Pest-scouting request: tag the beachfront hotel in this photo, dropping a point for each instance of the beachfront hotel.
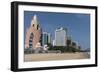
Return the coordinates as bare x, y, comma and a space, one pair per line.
60, 37
33, 34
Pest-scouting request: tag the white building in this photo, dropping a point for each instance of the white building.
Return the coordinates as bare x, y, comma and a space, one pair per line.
61, 37
53, 42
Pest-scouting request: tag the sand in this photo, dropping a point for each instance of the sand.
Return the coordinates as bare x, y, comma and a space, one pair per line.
55, 56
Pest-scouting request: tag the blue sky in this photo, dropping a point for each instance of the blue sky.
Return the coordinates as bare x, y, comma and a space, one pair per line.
77, 24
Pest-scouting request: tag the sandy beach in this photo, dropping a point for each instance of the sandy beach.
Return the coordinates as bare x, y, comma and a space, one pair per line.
55, 56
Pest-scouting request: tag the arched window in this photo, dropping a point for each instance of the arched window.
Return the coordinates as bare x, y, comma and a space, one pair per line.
37, 27
33, 25
31, 40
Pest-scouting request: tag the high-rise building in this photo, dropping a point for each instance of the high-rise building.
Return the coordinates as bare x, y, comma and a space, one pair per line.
49, 38
69, 41
60, 37
44, 38
33, 34
53, 42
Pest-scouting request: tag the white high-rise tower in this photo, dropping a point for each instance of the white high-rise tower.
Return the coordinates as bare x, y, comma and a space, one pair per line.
61, 37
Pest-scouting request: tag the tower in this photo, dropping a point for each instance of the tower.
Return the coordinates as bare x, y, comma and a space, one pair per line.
33, 34
60, 37
44, 38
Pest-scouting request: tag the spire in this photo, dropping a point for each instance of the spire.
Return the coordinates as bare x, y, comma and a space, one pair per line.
34, 21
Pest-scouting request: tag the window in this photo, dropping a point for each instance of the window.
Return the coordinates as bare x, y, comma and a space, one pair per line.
33, 25
31, 40
37, 27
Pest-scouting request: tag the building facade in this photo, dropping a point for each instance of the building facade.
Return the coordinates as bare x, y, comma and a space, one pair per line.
49, 38
60, 37
46, 38
33, 34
